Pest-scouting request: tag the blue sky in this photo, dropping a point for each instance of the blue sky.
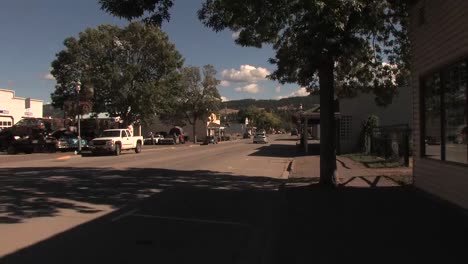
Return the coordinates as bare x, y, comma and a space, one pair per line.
32, 32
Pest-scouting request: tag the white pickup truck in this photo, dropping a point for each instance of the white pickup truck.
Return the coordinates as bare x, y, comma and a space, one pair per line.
114, 141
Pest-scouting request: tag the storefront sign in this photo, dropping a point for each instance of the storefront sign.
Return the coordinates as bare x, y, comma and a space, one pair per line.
28, 114
5, 112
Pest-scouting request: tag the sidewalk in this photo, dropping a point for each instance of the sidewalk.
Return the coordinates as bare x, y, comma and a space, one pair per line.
350, 173
368, 219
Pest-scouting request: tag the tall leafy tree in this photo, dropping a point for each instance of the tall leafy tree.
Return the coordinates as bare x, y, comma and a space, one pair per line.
133, 70
348, 45
198, 97
336, 47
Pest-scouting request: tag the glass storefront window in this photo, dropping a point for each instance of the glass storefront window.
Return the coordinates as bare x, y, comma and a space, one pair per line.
445, 114
455, 114
432, 117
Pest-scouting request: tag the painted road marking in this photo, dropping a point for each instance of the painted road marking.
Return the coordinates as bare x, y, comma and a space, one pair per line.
124, 215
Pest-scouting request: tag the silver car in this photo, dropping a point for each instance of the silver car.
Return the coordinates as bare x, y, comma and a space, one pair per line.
260, 138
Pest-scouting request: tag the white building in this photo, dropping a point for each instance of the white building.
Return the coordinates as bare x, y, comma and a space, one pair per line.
13, 109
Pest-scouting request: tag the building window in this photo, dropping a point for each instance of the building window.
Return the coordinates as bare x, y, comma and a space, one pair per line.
345, 127
432, 117
455, 114
445, 114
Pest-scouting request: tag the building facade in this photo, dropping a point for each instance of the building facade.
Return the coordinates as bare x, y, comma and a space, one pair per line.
13, 109
439, 39
354, 111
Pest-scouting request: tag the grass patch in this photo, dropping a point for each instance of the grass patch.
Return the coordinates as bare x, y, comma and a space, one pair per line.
373, 161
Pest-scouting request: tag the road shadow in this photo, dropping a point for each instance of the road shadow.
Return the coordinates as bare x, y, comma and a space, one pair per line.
176, 216
26, 192
288, 139
276, 151
199, 216
370, 225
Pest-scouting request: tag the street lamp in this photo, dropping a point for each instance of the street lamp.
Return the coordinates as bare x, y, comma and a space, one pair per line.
77, 89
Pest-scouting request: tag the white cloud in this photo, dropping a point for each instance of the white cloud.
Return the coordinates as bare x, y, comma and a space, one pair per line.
224, 99
249, 88
246, 73
48, 77
300, 92
278, 89
225, 83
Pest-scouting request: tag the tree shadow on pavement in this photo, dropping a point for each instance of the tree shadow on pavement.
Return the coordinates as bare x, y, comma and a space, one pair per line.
370, 225
276, 151
172, 216
38, 192
162, 216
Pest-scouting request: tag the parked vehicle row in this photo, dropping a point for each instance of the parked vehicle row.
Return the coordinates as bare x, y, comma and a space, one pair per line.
37, 135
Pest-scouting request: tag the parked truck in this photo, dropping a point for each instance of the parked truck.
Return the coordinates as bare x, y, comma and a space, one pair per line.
114, 141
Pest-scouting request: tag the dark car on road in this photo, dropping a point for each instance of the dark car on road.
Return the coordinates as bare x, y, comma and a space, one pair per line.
27, 135
294, 132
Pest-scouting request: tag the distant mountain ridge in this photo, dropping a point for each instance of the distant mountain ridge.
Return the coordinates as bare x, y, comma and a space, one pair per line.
307, 102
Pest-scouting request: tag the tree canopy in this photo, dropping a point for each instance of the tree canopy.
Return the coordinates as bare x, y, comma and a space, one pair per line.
347, 45
152, 11
198, 96
334, 46
133, 70
261, 118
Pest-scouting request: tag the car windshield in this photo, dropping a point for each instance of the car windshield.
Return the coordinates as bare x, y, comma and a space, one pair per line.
111, 133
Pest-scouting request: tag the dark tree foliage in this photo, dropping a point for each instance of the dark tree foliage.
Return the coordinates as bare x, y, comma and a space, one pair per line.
133, 71
151, 11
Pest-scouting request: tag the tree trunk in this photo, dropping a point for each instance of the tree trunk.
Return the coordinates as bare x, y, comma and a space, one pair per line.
327, 124
194, 130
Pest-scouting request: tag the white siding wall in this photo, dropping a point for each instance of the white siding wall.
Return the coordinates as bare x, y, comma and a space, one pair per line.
15, 105
442, 40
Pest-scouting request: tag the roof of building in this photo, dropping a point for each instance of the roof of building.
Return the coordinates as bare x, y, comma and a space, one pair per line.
19, 98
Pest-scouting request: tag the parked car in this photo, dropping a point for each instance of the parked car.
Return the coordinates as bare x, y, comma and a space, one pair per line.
27, 135
63, 140
211, 140
114, 141
260, 138
153, 141
246, 135
294, 132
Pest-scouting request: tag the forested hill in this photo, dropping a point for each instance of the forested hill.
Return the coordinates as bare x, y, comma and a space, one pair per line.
306, 101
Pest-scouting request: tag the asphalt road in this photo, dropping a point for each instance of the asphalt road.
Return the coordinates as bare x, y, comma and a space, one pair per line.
168, 204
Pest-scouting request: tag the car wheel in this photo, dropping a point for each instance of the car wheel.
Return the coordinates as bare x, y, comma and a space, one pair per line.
117, 150
28, 151
138, 147
11, 150
51, 149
